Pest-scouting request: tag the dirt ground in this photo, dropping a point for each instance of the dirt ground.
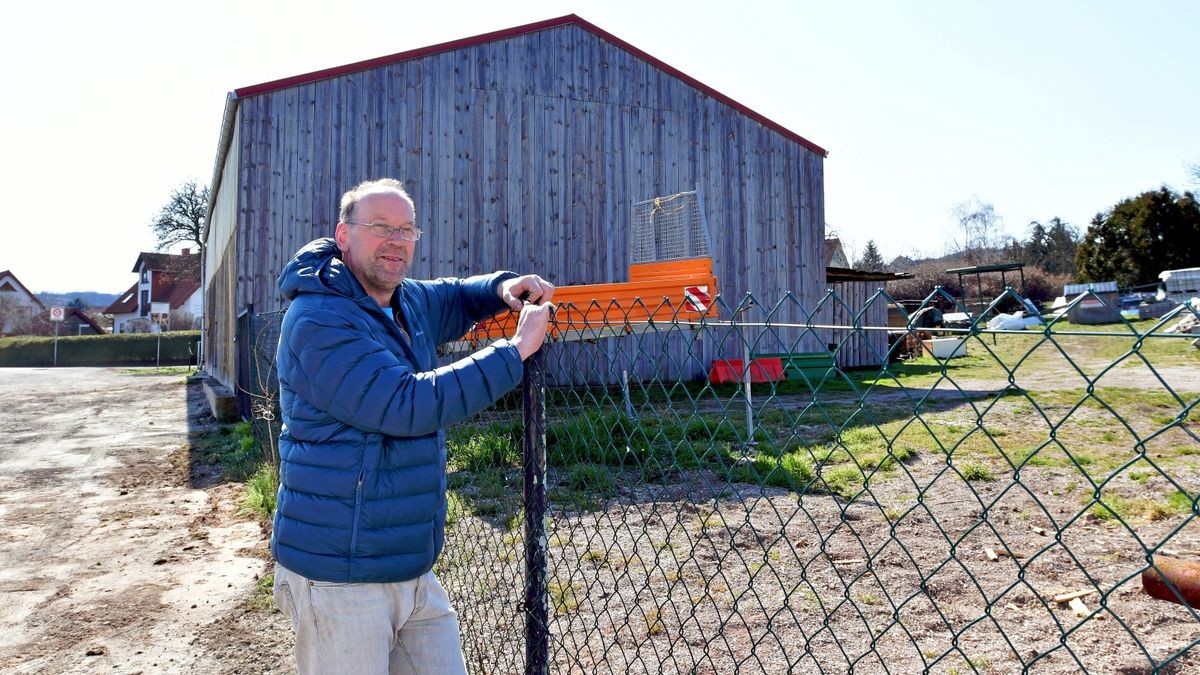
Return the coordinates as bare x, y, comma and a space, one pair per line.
119, 554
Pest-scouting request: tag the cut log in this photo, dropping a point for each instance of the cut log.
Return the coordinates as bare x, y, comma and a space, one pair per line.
1080, 609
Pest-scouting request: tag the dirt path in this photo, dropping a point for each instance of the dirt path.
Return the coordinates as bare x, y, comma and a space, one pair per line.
115, 556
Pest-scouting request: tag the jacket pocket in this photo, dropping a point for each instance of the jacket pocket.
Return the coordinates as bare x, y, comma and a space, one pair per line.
358, 499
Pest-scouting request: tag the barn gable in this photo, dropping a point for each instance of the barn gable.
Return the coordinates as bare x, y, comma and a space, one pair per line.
524, 149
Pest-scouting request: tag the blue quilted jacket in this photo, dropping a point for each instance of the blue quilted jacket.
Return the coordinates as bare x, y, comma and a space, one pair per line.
362, 476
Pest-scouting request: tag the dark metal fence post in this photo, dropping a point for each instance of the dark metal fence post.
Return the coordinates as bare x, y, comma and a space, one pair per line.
537, 653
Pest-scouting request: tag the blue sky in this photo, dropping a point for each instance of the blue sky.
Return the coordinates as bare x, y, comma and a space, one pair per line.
1042, 108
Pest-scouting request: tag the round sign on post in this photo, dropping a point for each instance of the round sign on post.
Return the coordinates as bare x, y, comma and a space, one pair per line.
56, 313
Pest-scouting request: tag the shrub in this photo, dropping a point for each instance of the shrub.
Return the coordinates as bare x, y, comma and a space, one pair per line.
139, 349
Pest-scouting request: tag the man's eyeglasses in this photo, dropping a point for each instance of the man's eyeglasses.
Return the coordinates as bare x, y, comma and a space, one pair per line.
384, 231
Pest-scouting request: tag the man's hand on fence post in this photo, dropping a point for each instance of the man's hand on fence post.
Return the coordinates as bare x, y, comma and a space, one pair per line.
532, 327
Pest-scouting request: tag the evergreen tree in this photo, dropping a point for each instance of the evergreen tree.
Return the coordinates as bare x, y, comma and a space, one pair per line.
871, 260
1050, 248
1140, 237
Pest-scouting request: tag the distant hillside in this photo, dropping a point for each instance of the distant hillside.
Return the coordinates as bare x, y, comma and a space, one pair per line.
92, 298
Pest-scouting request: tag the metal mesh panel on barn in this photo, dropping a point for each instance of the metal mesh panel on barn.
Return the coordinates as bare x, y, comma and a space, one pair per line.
668, 228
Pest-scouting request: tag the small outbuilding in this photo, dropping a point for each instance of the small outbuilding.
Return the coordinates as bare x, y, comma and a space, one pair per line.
1102, 304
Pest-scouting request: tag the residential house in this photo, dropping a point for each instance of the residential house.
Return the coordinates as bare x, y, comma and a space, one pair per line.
77, 322
166, 295
18, 306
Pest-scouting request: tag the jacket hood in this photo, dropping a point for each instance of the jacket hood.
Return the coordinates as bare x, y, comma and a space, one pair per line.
318, 268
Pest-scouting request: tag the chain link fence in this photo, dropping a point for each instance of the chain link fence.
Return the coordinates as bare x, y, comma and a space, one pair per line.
988, 509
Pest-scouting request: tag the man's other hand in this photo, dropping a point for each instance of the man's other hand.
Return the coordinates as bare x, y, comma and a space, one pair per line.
540, 291
532, 327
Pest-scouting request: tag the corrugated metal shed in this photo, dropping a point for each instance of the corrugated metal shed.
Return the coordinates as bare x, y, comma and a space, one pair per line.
1071, 290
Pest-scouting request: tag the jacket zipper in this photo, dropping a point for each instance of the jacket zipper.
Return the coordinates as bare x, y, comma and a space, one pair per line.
357, 512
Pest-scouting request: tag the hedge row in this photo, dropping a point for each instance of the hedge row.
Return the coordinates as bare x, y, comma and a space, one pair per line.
177, 348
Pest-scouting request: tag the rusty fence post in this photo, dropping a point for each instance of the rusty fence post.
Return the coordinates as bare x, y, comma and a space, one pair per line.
537, 636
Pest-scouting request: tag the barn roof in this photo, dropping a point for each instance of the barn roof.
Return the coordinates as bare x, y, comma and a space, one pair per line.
570, 19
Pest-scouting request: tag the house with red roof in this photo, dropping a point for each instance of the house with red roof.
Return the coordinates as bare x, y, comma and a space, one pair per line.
18, 305
166, 295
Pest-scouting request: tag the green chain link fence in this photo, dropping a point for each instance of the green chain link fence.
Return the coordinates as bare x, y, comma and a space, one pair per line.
912, 514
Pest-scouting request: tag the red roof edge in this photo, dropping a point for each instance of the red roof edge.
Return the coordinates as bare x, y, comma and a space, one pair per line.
327, 73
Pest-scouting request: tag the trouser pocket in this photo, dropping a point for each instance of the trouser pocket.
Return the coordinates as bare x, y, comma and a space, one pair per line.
281, 591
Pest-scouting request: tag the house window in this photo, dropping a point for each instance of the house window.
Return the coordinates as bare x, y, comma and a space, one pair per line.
145, 304
145, 276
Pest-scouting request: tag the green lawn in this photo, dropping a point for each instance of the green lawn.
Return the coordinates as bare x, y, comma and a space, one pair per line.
1017, 401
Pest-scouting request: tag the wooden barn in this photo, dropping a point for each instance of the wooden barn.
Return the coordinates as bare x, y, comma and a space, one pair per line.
524, 149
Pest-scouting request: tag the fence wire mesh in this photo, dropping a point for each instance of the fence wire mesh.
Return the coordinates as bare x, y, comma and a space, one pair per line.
922, 514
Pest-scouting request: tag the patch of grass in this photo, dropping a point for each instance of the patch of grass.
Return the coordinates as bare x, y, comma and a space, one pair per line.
977, 472
456, 508
1180, 502
869, 599
843, 481
261, 490
586, 486
654, 624
473, 449
263, 597
904, 453
231, 447
859, 440
564, 598
792, 471
1114, 505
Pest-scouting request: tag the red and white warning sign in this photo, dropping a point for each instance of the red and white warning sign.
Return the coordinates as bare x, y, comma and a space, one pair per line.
697, 298
56, 313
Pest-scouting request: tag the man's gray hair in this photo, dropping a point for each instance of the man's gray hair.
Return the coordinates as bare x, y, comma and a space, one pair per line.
350, 199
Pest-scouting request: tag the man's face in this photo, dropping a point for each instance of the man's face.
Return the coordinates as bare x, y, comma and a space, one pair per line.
379, 264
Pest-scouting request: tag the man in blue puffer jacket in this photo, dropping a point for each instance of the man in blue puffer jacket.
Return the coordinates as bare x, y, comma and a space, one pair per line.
361, 512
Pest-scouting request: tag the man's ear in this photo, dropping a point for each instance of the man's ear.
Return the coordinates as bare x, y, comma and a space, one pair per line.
341, 235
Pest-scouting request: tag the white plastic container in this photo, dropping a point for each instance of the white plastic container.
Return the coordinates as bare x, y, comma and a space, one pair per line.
946, 348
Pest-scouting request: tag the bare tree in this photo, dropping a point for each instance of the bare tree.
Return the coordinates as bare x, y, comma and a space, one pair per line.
182, 217
982, 235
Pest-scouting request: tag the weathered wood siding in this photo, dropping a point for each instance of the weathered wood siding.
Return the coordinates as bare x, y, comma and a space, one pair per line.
855, 303
526, 154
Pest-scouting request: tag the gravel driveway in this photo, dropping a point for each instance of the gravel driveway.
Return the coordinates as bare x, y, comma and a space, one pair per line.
115, 555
